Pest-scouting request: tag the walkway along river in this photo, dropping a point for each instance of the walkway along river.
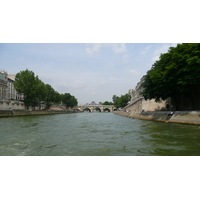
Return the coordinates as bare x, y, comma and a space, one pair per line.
95, 134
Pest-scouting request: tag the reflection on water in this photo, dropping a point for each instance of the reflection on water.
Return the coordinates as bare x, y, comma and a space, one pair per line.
95, 134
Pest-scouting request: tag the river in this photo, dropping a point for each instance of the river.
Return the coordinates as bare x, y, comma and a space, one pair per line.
95, 134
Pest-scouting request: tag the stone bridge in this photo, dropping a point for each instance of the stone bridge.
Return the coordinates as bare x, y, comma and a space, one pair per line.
94, 108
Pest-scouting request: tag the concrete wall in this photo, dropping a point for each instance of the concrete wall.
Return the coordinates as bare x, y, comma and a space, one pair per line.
14, 105
151, 105
142, 104
135, 106
186, 117
9, 104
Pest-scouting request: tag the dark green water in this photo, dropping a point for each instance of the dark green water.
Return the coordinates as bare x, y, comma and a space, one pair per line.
95, 134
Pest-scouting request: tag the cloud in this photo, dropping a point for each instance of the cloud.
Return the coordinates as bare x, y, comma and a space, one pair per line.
126, 57
145, 50
134, 72
155, 58
119, 48
70, 87
94, 48
102, 83
162, 49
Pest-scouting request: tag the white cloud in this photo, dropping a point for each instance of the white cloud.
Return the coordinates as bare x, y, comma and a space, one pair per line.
145, 50
126, 57
162, 49
119, 48
94, 48
155, 58
134, 72
64, 86
102, 83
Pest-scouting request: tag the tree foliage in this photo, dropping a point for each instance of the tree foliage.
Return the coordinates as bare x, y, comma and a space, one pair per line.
107, 103
26, 84
122, 101
69, 100
176, 73
35, 91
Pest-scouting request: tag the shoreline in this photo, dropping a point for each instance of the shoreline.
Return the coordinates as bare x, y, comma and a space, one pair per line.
17, 113
183, 117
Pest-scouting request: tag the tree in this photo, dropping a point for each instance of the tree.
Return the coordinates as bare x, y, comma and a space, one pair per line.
114, 98
35, 91
49, 99
41, 92
26, 84
176, 74
69, 100
107, 103
122, 101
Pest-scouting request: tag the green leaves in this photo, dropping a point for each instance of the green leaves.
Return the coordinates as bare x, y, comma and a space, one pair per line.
69, 100
122, 101
35, 91
175, 73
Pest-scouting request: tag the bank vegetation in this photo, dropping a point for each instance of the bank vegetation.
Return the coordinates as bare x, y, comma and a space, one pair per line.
35, 92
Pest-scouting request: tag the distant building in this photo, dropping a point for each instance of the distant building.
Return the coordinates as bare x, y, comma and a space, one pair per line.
93, 103
3, 84
11, 92
7, 90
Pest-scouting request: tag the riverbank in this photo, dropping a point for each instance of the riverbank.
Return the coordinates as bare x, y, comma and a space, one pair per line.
185, 117
13, 113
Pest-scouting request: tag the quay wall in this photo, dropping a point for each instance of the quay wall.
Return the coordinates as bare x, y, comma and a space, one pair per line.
186, 117
13, 113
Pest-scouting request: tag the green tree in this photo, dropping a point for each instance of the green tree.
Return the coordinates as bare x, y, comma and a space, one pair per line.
122, 101
26, 84
114, 98
69, 100
107, 103
57, 97
41, 92
49, 99
73, 102
176, 74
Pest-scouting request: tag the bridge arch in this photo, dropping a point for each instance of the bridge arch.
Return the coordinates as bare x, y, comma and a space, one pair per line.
106, 110
97, 109
100, 108
87, 109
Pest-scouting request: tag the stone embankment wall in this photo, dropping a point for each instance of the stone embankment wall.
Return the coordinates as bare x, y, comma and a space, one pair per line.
10, 104
147, 105
12, 113
186, 117
15, 105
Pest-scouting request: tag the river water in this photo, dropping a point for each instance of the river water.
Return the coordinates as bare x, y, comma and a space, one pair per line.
95, 134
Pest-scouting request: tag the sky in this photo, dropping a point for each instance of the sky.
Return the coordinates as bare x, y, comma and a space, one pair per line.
88, 71
94, 50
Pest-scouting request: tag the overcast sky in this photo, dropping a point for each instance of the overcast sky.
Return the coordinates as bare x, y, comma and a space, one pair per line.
90, 72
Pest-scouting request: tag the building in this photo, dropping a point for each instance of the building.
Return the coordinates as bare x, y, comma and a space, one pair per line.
3, 84
9, 98
11, 92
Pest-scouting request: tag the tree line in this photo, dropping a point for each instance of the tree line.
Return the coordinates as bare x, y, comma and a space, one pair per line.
119, 102
36, 92
175, 75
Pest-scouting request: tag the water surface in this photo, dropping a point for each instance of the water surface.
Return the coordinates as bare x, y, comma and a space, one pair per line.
95, 134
